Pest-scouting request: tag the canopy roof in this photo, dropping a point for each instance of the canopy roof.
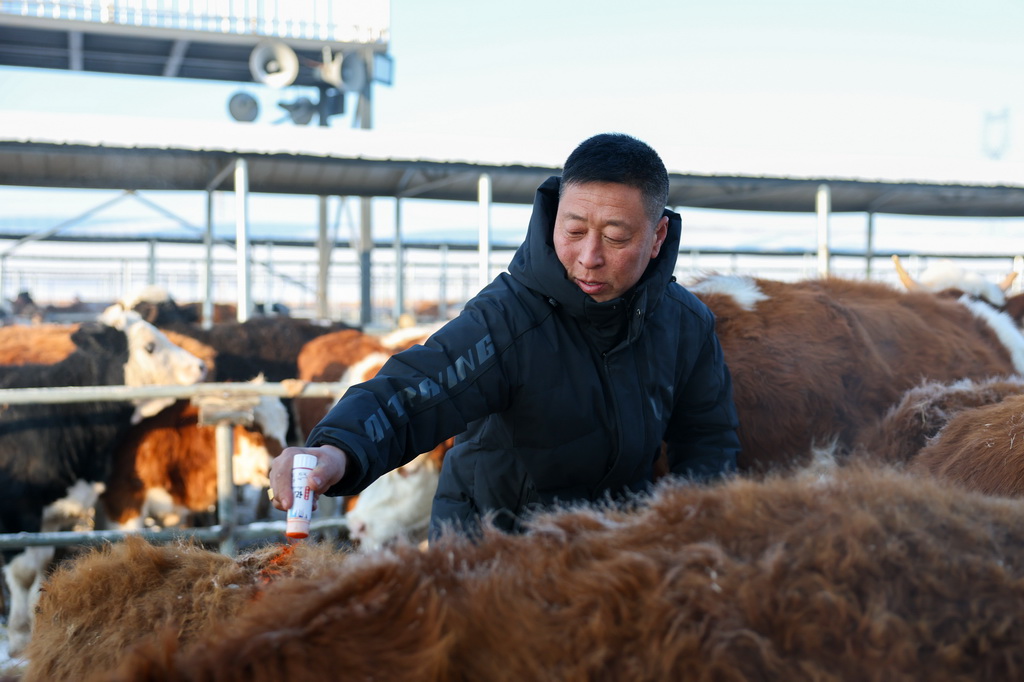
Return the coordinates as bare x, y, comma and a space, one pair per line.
76, 151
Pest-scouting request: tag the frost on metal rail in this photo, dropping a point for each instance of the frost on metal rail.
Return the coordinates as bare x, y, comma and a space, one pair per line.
359, 21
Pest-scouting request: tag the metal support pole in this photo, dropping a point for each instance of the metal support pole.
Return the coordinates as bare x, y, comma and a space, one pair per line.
365, 261
127, 276
242, 238
823, 207
442, 285
484, 199
151, 269
227, 511
399, 263
323, 247
869, 248
208, 269
268, 297
364, 120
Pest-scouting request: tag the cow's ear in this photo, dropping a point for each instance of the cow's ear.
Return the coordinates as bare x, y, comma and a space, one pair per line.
96, 337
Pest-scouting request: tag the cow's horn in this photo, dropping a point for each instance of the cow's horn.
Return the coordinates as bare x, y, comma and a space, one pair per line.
905, 277
1007, 281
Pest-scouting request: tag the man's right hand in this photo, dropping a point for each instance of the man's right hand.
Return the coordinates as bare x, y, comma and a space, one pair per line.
331, 463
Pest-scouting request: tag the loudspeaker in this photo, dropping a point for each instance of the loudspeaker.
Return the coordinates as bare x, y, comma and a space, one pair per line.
343, 71
243, 107
273, 63
300, 111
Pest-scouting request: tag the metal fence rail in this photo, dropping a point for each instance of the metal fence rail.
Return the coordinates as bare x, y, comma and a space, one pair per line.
220, 404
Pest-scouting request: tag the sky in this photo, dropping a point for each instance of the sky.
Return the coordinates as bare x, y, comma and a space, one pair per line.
751, 81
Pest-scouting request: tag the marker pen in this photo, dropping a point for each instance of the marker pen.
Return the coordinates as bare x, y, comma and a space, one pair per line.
301, 510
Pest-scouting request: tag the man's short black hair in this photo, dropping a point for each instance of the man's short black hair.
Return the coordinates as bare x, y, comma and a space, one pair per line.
616, 157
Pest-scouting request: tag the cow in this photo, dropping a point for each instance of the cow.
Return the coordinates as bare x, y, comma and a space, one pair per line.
325, 359
864, 573
165, 469
980, 448
396, 506
47, 344
923, 411
347, 356
178, 584
260, 345
815, 363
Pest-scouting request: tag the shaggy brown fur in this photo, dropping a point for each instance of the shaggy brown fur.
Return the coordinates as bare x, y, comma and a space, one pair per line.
924, 410
864, 574
819, 361
981, 449
105, 601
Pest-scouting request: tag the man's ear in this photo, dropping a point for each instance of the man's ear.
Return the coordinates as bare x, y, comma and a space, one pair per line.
660, 232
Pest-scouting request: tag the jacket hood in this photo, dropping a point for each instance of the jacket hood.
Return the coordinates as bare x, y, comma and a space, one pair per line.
536, 264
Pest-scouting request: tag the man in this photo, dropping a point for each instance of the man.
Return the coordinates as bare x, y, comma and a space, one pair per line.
562, 377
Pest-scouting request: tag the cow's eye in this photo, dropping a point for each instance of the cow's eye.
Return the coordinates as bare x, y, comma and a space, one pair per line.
150, 347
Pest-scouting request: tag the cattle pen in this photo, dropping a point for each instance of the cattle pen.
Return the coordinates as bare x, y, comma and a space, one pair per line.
222, 405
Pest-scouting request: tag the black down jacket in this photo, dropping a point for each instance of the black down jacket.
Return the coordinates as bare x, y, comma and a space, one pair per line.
545, 411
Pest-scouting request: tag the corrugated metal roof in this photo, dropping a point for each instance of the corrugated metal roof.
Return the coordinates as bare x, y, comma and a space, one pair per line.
112, 153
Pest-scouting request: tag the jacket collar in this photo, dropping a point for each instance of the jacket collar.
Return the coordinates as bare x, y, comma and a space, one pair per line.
536, 264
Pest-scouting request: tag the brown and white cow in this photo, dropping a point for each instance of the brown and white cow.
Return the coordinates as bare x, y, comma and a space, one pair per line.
47, 344
396, 507
166, 468
325, 359
863, 574
815, 363
347, 356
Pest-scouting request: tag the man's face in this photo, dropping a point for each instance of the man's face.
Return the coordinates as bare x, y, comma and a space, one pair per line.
604, 238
